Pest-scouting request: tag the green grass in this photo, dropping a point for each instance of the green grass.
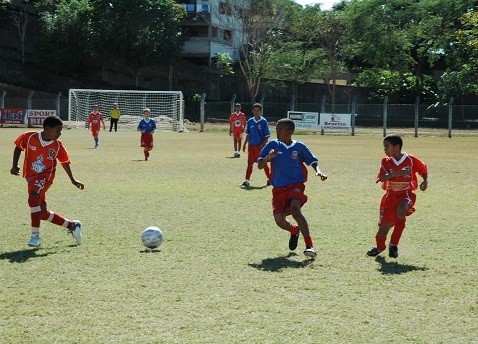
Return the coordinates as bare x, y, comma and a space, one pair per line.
224, 273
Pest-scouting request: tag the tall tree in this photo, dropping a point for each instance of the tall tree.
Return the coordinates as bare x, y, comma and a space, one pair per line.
141, 32
66, 35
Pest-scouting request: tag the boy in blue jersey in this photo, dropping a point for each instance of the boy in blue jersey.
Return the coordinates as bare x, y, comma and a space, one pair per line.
147, 126
289, 174
257, 135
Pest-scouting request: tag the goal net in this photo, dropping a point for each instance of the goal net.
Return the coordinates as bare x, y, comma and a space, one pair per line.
167, 107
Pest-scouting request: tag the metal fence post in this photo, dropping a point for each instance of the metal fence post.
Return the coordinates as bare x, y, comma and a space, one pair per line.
385, 115
201, 110
58, 104
450, 115
233, 102
292, 103
322, 110
29, 100
2, 106
354, 102
417, 102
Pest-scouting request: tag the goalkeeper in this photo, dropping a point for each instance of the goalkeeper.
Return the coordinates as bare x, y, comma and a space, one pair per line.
114, 117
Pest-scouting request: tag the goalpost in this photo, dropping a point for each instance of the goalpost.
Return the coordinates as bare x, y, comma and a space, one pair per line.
167, 107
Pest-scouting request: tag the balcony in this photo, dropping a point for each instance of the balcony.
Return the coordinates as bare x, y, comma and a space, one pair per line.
196, 8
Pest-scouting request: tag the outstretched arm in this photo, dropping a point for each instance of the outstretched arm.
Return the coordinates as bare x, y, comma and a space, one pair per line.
15, 170
318, 172
75, 182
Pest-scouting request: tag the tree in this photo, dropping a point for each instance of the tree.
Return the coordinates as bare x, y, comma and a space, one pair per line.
262, 27
141, 32
66, 35
21, 17
323, 32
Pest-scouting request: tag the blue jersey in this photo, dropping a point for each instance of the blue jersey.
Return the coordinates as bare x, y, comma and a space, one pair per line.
148, 126
257, 130
288, 166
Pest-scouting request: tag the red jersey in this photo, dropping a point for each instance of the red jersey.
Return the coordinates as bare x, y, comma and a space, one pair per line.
40, 156
95, 120
406, 182
237, 121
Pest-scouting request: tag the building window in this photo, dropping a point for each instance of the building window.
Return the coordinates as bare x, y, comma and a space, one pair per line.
227, 35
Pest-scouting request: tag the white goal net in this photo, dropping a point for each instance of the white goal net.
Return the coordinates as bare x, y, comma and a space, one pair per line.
167, 107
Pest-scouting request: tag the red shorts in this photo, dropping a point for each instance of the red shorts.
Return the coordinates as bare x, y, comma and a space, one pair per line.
389, 203
237, 135
282, 196
146, 140
95, 131
40, 186
253, 152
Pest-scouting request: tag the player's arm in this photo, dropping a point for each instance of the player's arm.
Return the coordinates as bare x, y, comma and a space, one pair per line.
15, 170
245, 143
318, 172
78, 184
104, 126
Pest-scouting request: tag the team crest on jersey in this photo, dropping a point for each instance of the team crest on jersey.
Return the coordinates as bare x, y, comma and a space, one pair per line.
294, 155
38, 166
33, 148
51, 154
237, 123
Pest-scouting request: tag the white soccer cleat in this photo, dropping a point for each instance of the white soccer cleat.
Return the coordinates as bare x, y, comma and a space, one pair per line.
34, 240
76, 232
310, 252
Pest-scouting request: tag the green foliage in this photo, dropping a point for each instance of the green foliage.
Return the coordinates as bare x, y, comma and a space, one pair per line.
225, 62
66, 39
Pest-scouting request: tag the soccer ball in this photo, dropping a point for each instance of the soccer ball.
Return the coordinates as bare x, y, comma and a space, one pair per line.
152, 237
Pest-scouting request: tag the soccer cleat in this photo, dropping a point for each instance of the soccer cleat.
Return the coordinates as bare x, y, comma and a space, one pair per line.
76, 232
34, 240
393, 251
310, 252
268, 183
374, 251
293, 241
246, 184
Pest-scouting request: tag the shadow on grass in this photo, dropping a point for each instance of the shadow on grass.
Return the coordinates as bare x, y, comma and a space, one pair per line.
147, 250
280, 263
21, 256
248, 188
394, 268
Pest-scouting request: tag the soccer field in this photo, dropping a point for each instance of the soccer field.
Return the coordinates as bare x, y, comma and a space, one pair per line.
224, 273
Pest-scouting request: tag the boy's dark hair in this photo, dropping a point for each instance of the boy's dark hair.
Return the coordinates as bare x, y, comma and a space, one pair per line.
394, 139
259, 105
52, 122
287, 122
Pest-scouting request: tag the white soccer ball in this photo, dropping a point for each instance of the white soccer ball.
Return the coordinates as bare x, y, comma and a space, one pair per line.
152, 237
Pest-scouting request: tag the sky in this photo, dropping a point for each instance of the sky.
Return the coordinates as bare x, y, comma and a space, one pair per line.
324, 4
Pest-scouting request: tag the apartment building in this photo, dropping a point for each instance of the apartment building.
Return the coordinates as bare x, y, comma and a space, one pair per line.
213, 27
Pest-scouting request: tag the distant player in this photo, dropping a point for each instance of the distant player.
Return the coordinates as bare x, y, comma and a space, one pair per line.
237, 123
147, 126
95, 119
398, 175
289, 174
114, 117
42, 151
257, 135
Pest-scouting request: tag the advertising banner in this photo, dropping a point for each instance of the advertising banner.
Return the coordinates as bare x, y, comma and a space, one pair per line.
304, 119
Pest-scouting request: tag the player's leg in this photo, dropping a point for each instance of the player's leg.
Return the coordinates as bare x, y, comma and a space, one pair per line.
296, 212
111, 124
398, 228
251, 154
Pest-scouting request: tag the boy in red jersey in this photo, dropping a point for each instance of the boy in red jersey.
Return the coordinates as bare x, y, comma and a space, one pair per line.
398, 175
42, 150
94, 120
237, 123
